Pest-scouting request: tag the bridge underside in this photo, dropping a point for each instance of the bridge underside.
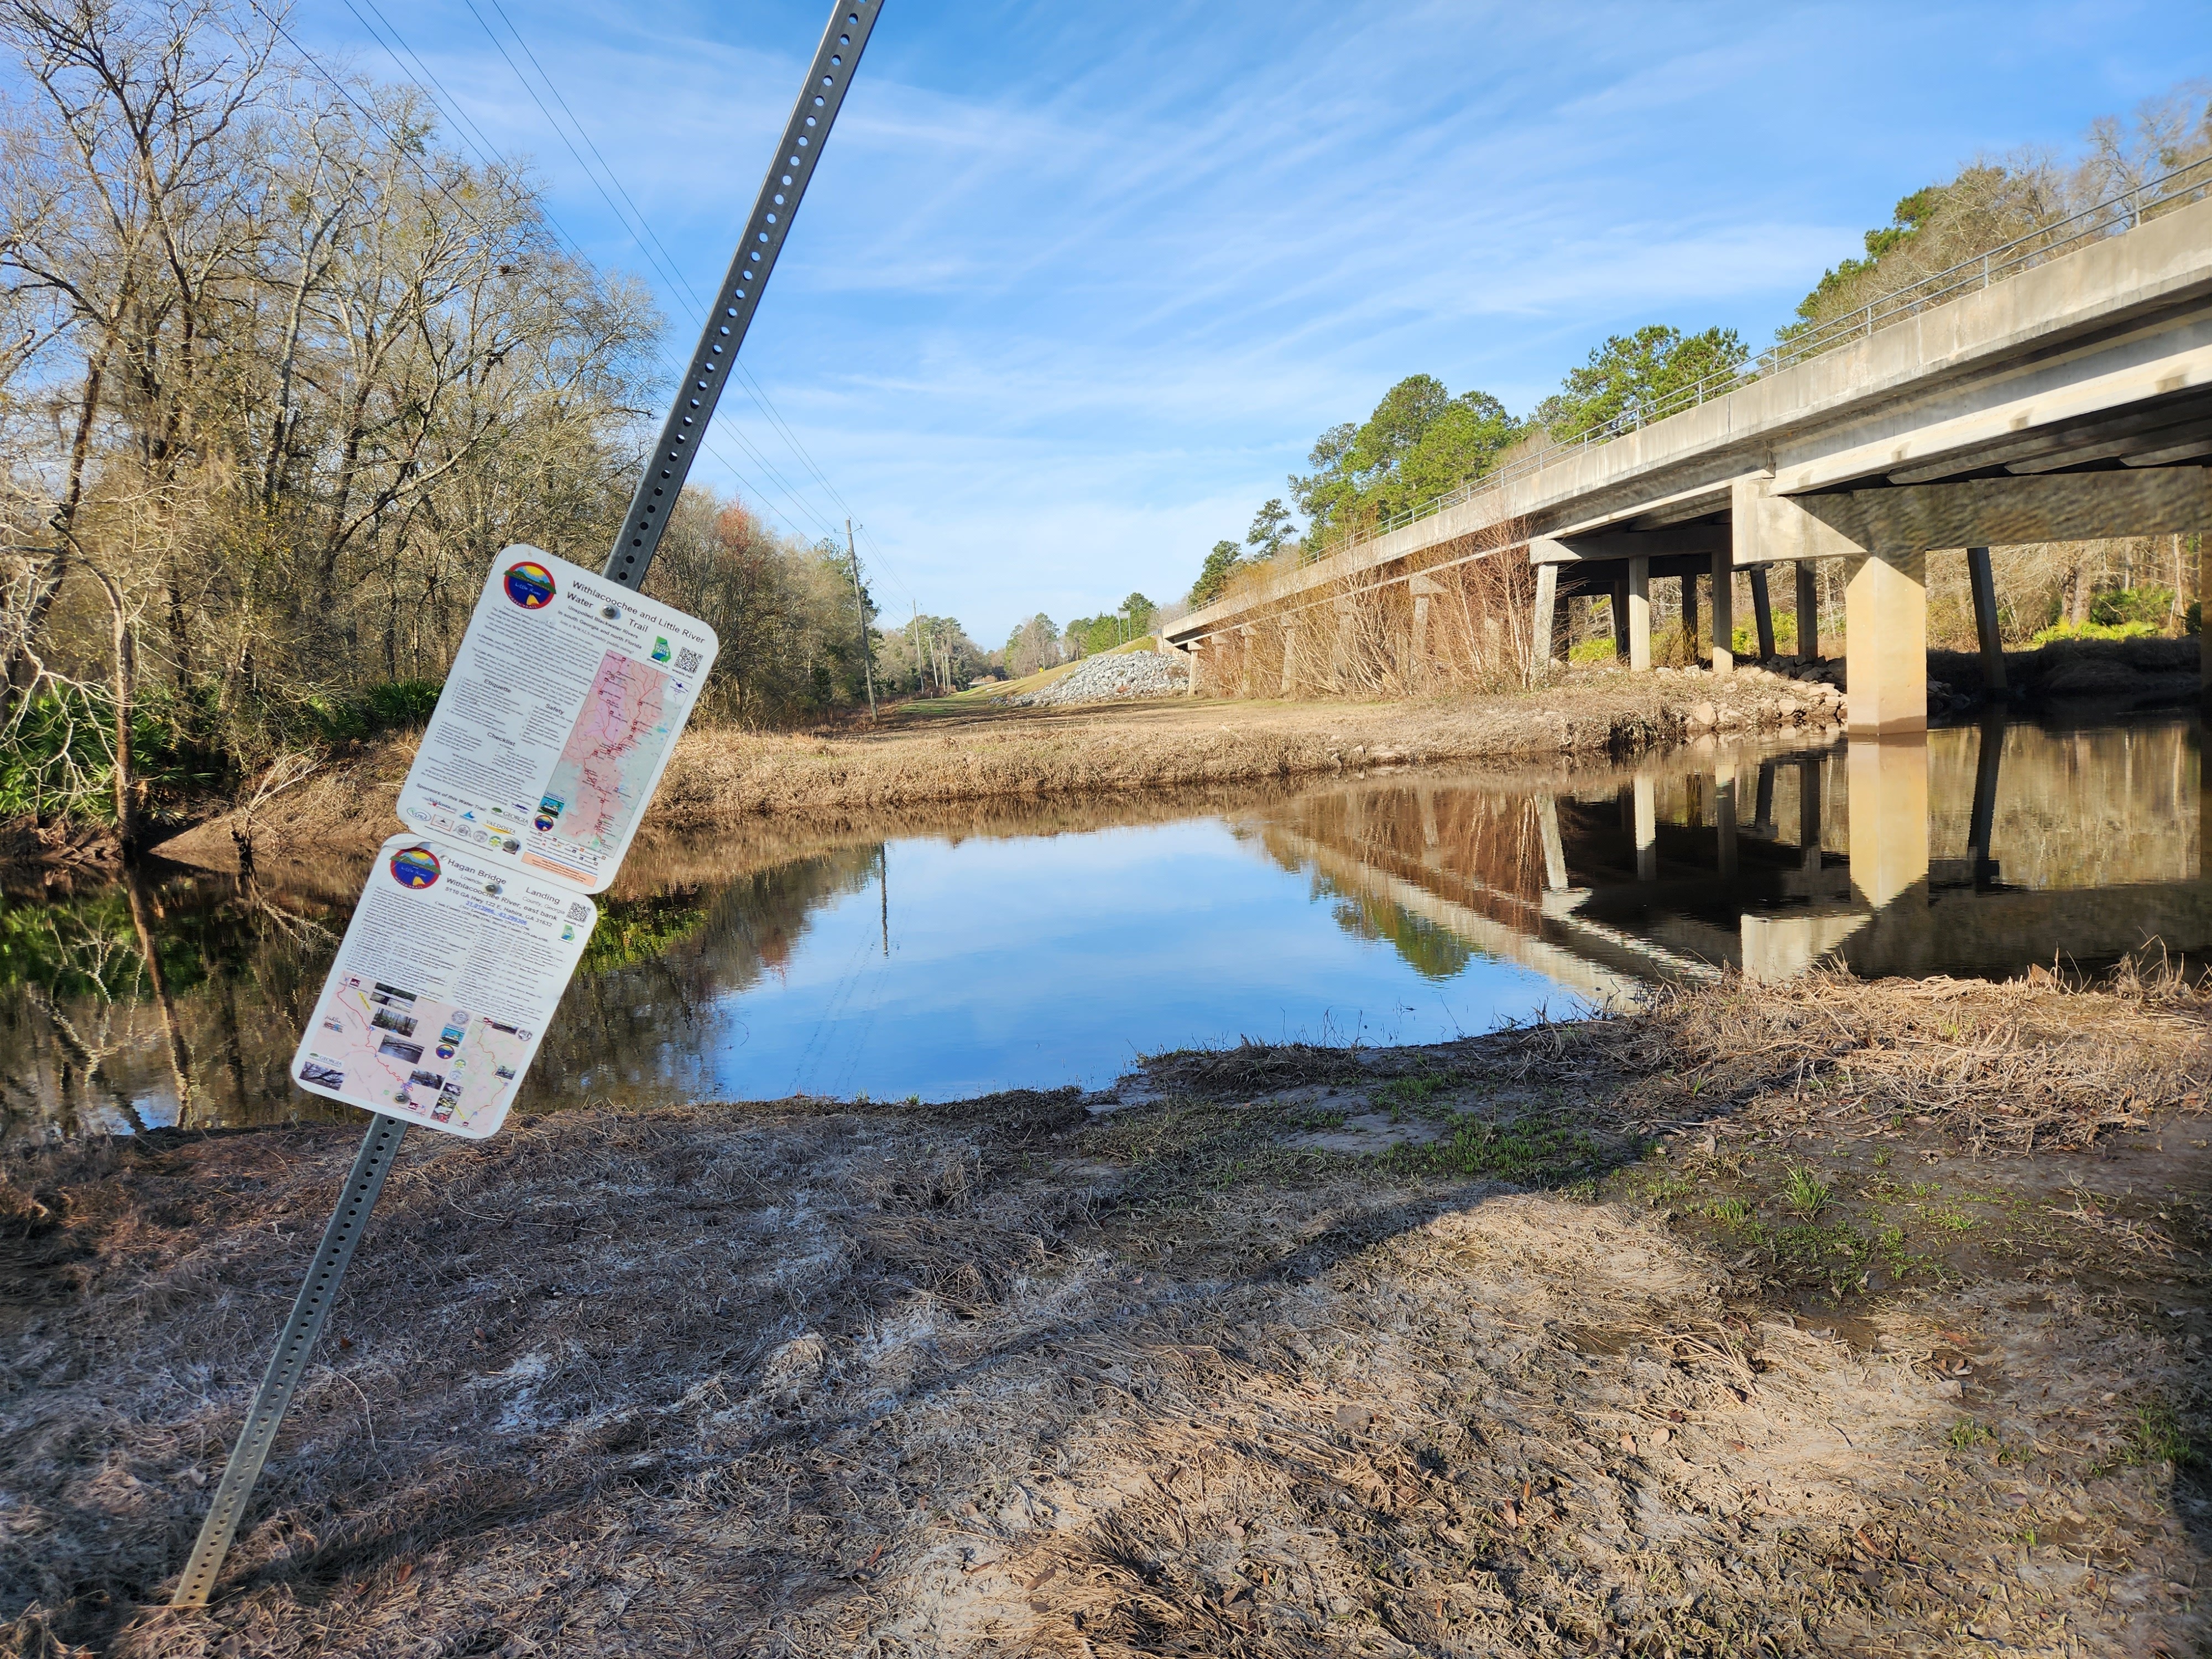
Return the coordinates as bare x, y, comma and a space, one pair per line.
2098, 485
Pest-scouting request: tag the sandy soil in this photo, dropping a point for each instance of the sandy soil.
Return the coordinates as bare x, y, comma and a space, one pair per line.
721, 776
1843, 1318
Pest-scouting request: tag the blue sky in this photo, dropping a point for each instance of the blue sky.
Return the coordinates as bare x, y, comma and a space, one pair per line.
1077, 286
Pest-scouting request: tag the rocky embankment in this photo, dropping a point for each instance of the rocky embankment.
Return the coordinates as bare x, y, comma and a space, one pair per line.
1109, 680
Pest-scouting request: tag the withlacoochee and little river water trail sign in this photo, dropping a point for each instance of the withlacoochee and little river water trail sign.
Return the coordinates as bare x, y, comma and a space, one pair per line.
551, 734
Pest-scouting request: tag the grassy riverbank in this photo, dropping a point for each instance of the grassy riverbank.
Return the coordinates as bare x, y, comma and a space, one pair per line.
1845, 1317
955, 753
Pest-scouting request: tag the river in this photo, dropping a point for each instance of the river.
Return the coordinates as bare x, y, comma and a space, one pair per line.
1039, 946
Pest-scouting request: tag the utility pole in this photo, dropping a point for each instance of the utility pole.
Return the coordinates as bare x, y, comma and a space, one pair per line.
860, 610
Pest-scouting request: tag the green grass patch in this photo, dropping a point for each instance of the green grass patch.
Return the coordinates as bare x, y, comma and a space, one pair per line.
1529, 1152
2160, 1436
1805, 1192
1415, 1090
1966, 1434
1317, 1117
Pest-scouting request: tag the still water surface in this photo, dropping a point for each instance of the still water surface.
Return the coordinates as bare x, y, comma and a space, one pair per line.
1032, 946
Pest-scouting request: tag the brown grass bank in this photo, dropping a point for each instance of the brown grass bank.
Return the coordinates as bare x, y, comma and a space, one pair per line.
1843, 1318
722, 776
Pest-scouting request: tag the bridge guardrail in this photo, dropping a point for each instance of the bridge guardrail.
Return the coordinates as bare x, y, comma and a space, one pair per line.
2121, 212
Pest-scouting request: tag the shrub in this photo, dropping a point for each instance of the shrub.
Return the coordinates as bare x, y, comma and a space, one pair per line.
2092, 631
396, 705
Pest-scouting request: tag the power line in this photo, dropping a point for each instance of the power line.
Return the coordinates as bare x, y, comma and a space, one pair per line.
642, 233
473, 138
451, 107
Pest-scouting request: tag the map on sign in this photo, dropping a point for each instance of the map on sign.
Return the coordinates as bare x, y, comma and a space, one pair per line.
615, 750
565, 702
404, 1050
447, 976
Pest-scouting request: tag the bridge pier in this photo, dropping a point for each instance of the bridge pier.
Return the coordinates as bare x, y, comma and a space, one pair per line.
1724, 608
1762, 612
1885, 643
1983, 579
1809, 611
1690, 627
1545, 622
1639, 616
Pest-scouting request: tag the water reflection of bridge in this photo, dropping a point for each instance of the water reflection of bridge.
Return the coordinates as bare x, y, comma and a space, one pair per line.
1966, 851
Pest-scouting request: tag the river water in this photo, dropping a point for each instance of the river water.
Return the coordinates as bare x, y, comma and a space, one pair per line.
1042, 945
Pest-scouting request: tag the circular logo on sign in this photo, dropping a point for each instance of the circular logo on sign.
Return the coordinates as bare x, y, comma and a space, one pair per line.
529, 585
415, 866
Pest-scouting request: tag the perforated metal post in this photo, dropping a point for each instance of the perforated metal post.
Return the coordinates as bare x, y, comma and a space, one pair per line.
358, 1197
665, 469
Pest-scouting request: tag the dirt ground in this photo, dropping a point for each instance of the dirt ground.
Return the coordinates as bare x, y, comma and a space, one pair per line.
1845, 1317
962, 752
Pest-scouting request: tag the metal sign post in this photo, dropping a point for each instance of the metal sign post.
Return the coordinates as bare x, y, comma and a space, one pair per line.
819, 99
358, 1196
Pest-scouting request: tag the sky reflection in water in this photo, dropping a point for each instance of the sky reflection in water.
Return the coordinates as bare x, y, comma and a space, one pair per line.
1042, 961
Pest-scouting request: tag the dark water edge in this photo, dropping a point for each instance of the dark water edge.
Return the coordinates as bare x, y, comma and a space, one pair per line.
1042, 943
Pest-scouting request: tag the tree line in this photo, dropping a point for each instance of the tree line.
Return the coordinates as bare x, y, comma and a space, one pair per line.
1422, 441
280, 373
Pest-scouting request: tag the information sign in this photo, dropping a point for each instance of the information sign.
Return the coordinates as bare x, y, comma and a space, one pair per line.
564, 703
443, 987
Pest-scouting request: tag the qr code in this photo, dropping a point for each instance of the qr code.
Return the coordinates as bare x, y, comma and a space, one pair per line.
687, 662
579, 913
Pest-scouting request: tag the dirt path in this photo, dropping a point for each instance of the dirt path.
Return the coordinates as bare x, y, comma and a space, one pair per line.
721, 776
1762, 1321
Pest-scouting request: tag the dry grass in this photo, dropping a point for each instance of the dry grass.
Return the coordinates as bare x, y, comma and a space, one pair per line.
1982, 1064
1353, 638
1009, 1377
722, 777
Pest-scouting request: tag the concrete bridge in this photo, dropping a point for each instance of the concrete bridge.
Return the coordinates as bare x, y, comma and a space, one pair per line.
2056, 398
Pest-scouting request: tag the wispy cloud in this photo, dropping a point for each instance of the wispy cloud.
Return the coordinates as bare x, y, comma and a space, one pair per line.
1079, 285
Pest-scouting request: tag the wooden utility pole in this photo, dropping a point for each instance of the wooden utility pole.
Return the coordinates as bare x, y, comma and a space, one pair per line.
860, 610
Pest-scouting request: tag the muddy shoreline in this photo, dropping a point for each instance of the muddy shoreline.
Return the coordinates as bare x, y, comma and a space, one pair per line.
1837, 1317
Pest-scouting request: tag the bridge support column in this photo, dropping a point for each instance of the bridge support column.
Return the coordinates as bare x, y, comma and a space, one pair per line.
1889, 816
1809, 611
1724, 597
1989, 752
1725, 817
1423, 589
1885, 643
1647, 827
1555, 850
1762, 612
1544, 623
1190, 685
1620, 603
1690, 631
1983, 579
1808, 812
1639, 616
